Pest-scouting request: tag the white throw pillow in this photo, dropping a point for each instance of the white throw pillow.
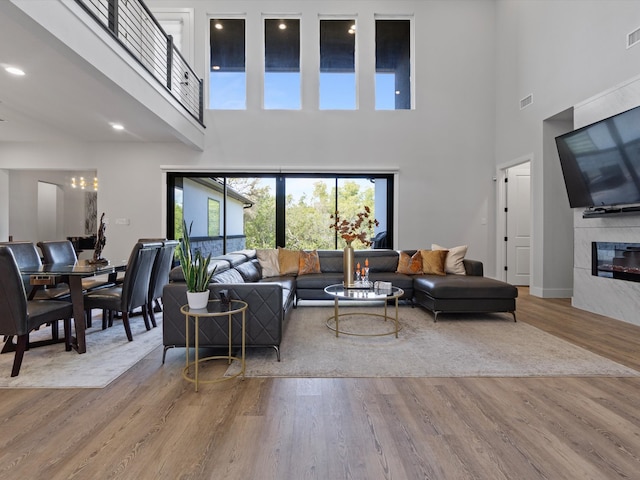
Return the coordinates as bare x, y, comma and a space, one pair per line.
268, 259
453, 263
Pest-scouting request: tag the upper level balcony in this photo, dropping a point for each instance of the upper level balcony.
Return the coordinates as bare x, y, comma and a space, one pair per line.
92, 63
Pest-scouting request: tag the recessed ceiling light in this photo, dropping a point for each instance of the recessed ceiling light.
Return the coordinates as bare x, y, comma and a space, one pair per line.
117, 126
282, 26
218, 26
15, 71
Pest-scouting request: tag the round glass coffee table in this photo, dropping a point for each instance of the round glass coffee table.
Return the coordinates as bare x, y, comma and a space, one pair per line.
340, 292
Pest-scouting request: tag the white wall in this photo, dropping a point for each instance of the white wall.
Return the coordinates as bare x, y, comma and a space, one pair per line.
131, 186
23, 207
447, 140
443, 150
562, 52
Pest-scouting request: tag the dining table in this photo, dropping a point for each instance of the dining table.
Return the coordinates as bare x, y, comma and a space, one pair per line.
52, 273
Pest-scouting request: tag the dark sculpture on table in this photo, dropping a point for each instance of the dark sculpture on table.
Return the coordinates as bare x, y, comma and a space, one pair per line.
101, 240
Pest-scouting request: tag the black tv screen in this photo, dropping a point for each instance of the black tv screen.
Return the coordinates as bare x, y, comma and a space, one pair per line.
601, 162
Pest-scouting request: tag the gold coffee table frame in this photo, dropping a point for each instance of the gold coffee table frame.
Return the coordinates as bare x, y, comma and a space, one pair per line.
212, 311
340, 292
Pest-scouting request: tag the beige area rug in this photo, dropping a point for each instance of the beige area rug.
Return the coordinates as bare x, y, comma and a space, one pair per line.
478, 345
108, 356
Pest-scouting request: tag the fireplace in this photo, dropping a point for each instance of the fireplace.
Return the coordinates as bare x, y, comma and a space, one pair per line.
616, 260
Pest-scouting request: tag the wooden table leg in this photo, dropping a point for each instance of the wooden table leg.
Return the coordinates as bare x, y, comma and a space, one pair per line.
77, 299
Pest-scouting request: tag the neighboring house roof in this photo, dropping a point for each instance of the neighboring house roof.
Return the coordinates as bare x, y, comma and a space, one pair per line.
217, 186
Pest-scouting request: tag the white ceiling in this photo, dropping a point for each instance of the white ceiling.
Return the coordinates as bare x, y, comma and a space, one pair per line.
62, 97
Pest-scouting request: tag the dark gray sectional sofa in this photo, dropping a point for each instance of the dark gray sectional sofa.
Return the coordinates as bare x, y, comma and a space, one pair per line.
238, 274
271, 299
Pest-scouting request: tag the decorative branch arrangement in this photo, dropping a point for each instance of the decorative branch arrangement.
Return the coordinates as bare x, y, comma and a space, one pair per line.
360, 228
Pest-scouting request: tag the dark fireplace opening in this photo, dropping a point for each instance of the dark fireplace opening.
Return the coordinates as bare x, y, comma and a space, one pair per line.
616, 260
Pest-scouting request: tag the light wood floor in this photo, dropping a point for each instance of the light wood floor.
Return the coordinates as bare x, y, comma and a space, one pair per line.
150, 424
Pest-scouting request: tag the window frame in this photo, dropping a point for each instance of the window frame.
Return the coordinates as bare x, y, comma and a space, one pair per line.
263, 67
174, 179
412, 57
356, 60
207, 83
211, 200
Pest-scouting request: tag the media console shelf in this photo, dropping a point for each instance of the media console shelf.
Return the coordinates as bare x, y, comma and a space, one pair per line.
611, 211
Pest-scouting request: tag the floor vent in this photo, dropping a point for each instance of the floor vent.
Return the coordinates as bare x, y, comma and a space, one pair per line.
633, 38
526, 101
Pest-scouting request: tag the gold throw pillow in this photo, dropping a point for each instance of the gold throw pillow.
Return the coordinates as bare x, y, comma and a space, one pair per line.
433, 261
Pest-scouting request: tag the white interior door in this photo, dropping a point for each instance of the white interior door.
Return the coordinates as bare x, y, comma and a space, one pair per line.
518, 224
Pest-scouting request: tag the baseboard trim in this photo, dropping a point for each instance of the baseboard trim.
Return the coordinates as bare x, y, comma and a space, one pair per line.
551, 292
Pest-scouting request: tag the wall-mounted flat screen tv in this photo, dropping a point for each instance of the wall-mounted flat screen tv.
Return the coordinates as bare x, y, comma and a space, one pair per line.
601, 162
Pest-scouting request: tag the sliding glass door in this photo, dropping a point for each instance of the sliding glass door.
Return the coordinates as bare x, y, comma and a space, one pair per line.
234, 212
309, 202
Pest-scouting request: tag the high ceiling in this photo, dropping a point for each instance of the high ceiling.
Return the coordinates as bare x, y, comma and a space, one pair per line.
62, 97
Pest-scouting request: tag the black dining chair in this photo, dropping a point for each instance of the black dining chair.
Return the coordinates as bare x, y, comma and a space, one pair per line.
28, 258
62, 251
132, 294
160, 276
19, 316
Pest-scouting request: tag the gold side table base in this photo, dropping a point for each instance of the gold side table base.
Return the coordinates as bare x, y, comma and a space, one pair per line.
333, 322
331, 325
237, 306
192, 379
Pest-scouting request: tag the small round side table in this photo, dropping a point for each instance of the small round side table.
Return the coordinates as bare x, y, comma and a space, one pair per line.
214, 310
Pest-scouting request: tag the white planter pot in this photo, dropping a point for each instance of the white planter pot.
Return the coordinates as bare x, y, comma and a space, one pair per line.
198, 300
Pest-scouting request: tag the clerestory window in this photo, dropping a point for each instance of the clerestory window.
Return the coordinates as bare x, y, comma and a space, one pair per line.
393, 65
338, 64
227, 74
282, 64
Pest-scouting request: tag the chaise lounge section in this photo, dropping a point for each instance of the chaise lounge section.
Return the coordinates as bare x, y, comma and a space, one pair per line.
472, 292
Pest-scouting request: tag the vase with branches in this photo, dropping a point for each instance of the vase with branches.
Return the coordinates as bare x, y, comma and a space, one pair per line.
360, 228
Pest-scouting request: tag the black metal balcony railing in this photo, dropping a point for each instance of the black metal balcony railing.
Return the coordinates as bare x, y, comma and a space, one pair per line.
133, 25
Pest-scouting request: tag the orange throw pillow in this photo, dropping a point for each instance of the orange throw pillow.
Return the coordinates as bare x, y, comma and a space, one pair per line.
309, 262
410, 265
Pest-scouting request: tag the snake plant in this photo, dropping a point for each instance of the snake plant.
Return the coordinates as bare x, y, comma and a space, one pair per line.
195, 267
